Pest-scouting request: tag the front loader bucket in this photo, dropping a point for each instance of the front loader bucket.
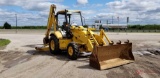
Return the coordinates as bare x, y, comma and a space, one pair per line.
104, 57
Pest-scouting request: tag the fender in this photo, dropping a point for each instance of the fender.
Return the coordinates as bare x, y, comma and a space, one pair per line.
57, 34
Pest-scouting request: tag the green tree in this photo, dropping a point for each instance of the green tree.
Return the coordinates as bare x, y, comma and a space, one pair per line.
100, 27
86, 26
6, 25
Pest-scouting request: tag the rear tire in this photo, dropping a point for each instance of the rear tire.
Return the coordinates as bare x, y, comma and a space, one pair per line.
45, 40
72, 51
54, 45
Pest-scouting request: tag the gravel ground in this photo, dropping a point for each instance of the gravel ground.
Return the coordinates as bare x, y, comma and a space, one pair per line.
20, 60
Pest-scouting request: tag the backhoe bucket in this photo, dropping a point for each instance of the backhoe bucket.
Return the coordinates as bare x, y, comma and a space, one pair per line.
42, 48
104, 57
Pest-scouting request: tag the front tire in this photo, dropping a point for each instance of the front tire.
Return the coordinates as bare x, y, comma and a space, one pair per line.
72, 51
54, 45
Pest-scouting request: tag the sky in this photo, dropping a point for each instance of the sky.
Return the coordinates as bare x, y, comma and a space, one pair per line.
35, 12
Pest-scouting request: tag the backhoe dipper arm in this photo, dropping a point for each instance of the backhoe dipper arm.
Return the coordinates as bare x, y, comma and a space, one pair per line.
51, 20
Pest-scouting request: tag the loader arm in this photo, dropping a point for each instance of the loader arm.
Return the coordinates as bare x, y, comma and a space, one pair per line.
90, 38
98, 39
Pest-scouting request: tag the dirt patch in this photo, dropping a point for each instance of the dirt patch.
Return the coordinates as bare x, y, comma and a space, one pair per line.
141, 68
3, 47
119, 73
11, 59
154, 51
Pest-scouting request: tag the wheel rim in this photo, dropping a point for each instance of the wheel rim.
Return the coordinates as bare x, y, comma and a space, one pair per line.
70, 51
52, 45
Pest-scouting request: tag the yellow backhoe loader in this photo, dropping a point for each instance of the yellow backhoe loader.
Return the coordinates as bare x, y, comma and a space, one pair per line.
76, 39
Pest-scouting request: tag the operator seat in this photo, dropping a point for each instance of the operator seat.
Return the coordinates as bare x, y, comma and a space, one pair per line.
66, 28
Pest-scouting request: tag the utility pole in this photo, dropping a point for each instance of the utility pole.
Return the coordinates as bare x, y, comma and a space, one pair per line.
16, 23
127, 20
84, 20
118, 20
107, 22
112, 19
127, 24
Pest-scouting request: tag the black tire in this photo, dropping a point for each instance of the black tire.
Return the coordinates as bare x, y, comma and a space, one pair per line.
75, 53
45, 40
56, 45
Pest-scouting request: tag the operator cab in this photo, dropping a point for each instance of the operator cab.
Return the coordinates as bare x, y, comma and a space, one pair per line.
67, 18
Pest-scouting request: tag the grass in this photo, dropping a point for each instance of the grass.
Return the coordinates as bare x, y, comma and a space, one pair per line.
4, 42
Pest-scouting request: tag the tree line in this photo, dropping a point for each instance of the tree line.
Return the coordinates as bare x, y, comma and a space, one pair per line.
145, 27
130, 27
8, 26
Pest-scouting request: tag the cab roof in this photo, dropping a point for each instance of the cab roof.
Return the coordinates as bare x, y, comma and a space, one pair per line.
68, 11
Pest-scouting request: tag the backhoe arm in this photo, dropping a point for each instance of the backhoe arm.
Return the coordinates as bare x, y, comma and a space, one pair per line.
51, 22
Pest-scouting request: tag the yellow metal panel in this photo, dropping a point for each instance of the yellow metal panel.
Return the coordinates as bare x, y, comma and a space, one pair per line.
79, 36
63, 43
91, 29
99, 39
58, 34
102, 31
89, 45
